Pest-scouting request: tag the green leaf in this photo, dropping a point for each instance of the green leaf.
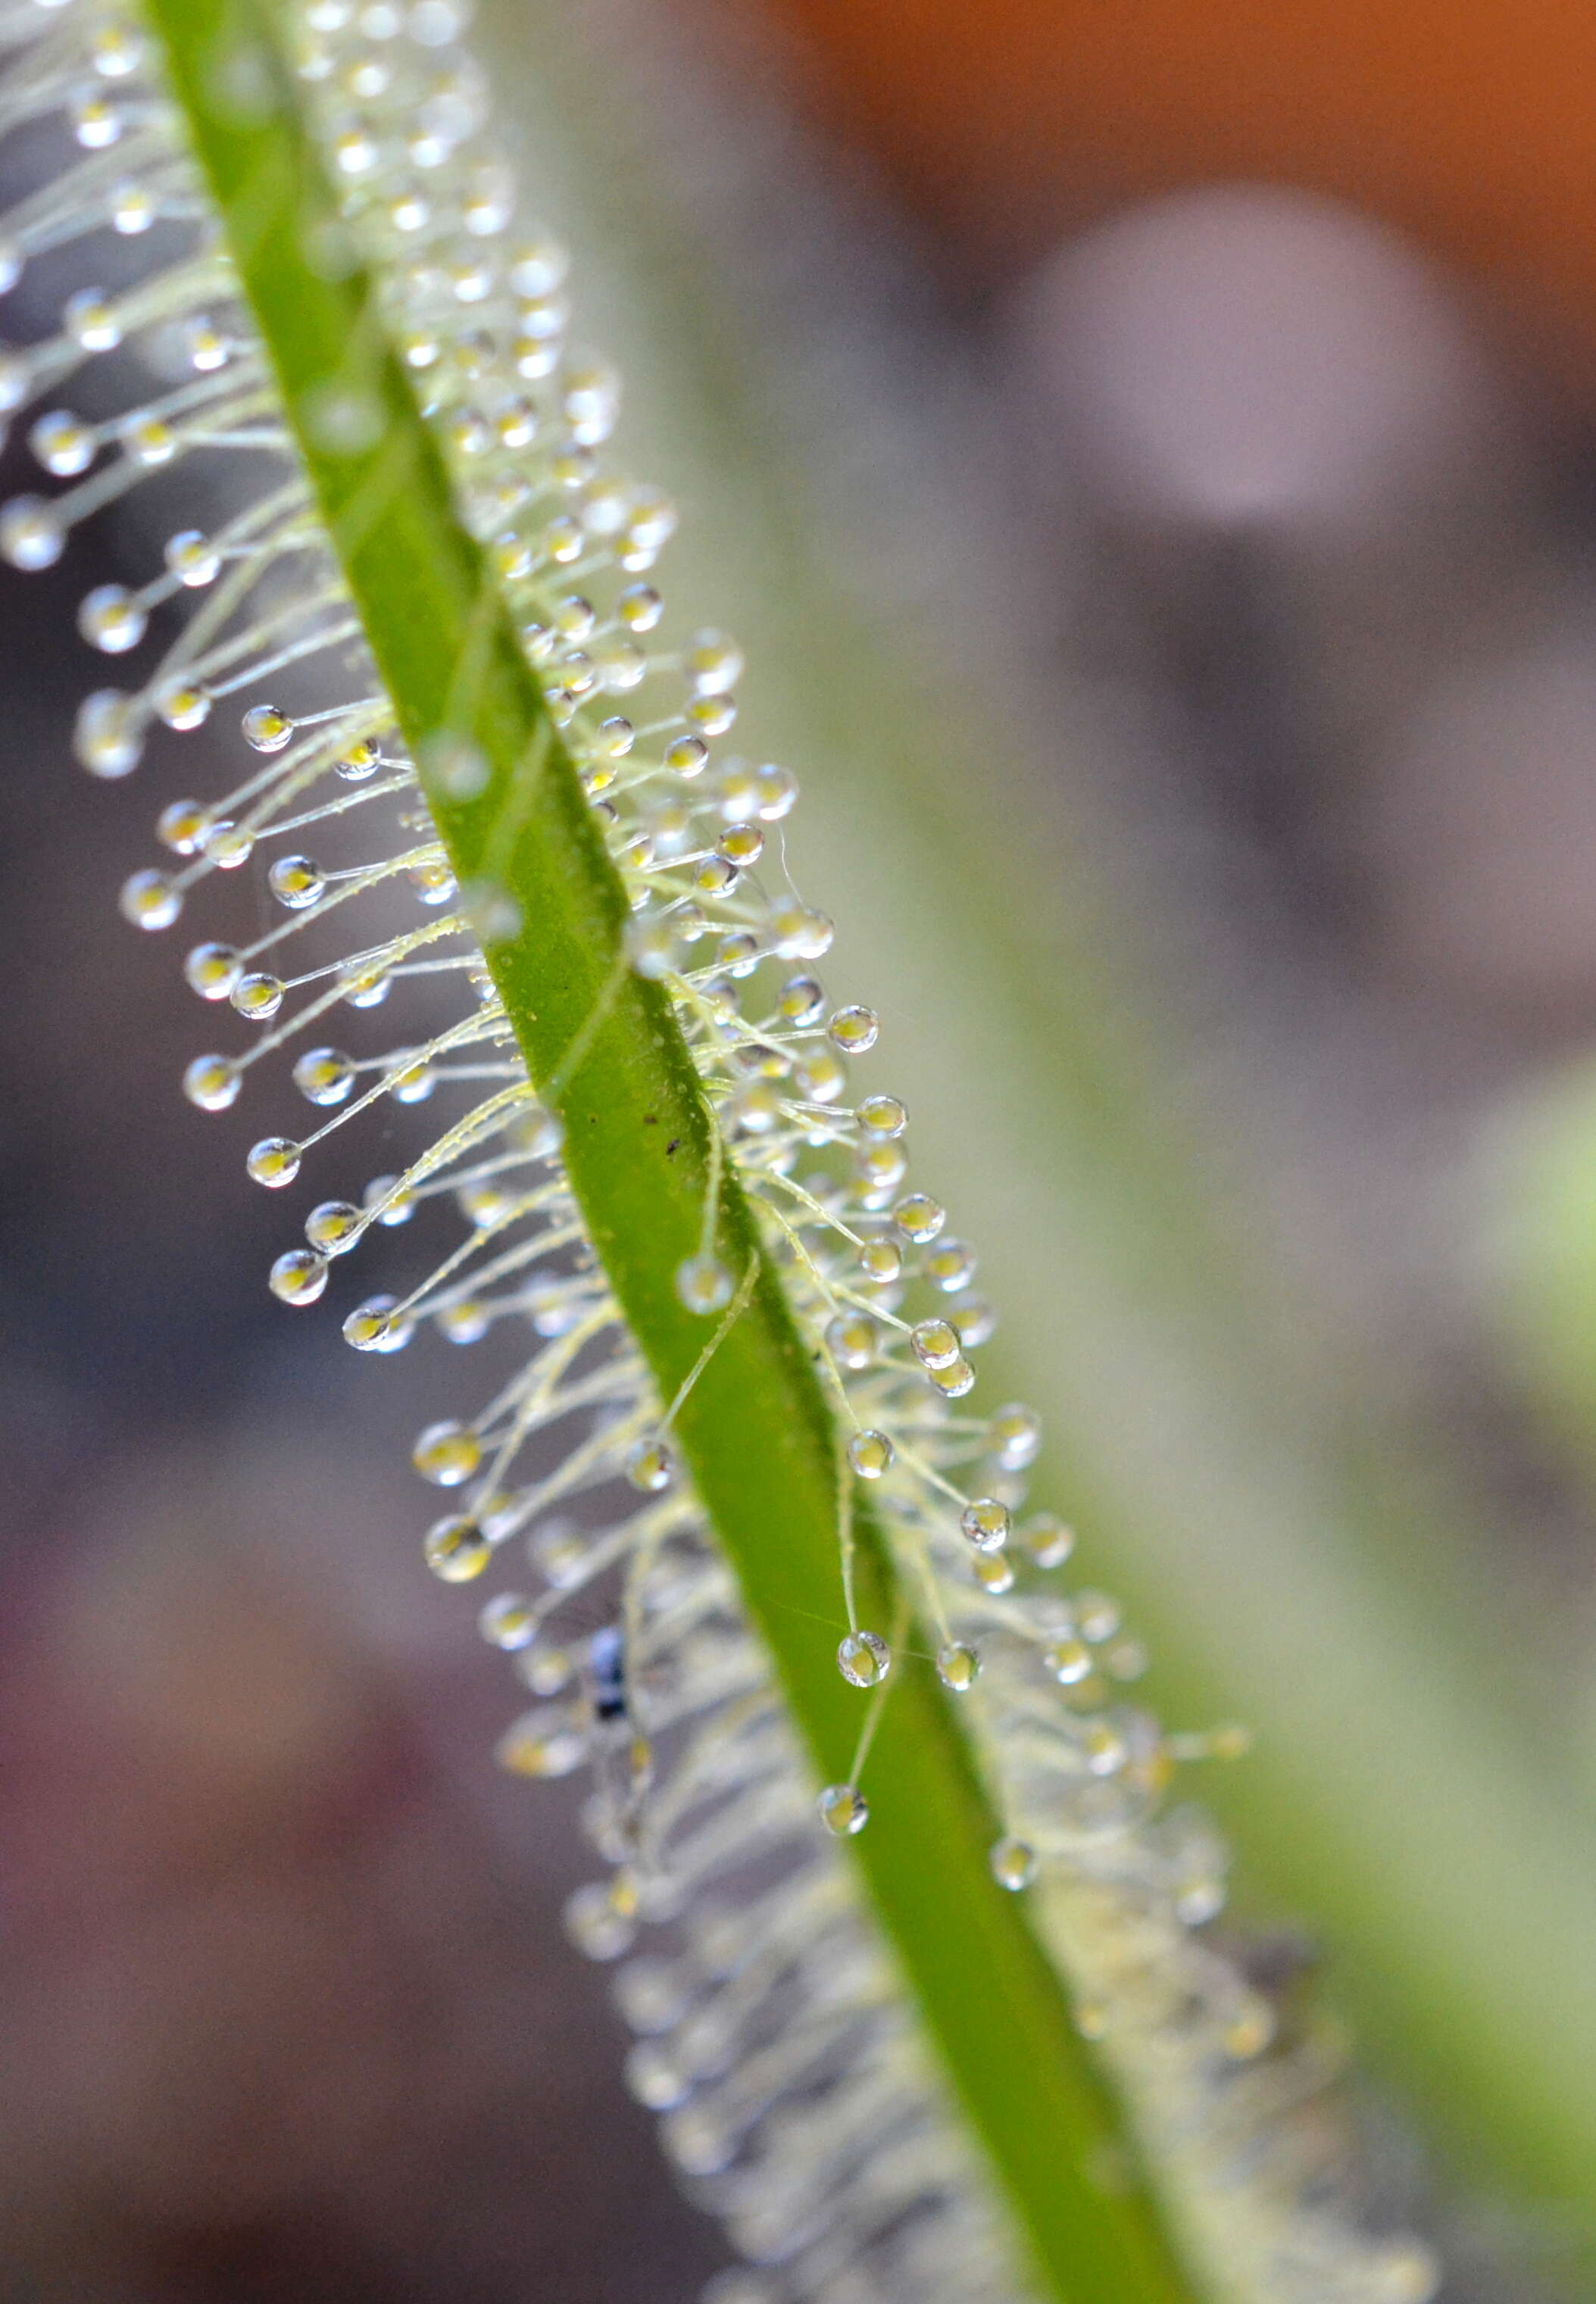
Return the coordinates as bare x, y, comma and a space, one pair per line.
603, 1046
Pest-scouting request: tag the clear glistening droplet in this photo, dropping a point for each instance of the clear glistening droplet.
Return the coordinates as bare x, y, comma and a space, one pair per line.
844, 1810
863, 1659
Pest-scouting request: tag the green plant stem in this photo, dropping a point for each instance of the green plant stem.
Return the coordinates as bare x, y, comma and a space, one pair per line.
755, 1430
1295, 1544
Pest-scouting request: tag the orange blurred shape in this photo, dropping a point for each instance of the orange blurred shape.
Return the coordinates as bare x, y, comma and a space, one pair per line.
1004, 121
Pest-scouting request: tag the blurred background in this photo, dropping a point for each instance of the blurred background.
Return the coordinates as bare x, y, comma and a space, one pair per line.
1152, 457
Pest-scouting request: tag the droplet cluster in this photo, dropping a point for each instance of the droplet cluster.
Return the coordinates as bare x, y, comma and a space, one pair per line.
842, 2176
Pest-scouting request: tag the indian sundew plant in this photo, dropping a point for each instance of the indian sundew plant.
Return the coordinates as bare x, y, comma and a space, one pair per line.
919, 1951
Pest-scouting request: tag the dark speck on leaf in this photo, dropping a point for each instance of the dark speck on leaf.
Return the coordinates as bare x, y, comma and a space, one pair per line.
671, 1146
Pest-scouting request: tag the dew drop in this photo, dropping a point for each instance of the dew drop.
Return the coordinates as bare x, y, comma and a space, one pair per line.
191, 558
863, 1659
333, 1226
598, 1924
918, 1217
994, 1572
852, 1340
258, 996
712, 662
1048, 1539
687, 756
508, 1621
213, 971
648, 1466
266, 729
457, 1549
954, 1380
986, 1523
1015, 1436
881, 1261
951, 1266
323, 1076
975, 1321
369, 989
935, 1344
31, 533
383, 1199
883, 1116
228, 846
182, 825
800, 934
373, 1327
844, 1810
150, 900
359, 762
446, 1454
274, 1162
542, 1744
820, 1076
704, 1285
211, 1082
63, 443
299, 1276
107, 736
1013, 1864
801, 1000
1069, 1661
412, 1084
957, 1667
871, 1453
88, 318
295, 882
466, 1321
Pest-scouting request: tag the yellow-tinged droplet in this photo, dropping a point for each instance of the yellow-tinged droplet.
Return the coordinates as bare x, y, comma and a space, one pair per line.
545, 1743
211, 1082
863, 1659
1014, 1436
508, 1621
918, 1217
182, 825
257, 995
957, 1667
871, 1453
1249, 2031
881, 1261
1068, 1660
703, 1284
274, 1162
333, 1226
954, 1380
446, 1454
648, 1466
150, 900
935, 1344
1048, 1539
299, 1276
855, 1029
457, 1549
852, 1340
266, 729
844, 1810
883, 1116
986, 1523
1014, 1863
